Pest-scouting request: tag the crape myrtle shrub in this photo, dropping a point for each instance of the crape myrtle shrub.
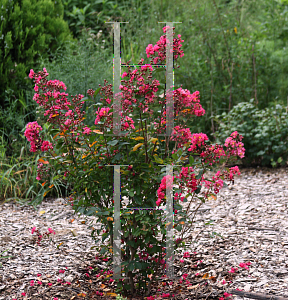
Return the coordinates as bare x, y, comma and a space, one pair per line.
28, 28
264, 131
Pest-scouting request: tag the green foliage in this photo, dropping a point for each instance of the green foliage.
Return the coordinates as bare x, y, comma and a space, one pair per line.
91, 14
10, 123
239, 54
264, 132
28, 27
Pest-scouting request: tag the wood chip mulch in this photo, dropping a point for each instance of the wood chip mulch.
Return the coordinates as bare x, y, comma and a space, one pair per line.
249, 223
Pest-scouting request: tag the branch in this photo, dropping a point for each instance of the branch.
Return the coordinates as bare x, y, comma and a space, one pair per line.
256, 295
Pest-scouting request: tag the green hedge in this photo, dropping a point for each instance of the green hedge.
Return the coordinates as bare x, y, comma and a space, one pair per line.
28, 28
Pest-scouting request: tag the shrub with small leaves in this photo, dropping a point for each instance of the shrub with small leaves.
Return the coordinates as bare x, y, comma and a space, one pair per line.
28, 28
265, 132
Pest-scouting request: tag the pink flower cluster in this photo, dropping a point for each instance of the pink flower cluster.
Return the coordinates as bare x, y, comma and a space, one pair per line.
245, 265
189, 102
163, 186
233, 270
104, 113
225, 295
32, 135
235, 144
187, 176
197, 141
50, 231
139, 83
182, 99
212, 154
55, 102
182, 136
160, 47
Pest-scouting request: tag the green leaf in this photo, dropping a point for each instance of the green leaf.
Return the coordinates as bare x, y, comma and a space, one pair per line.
131, 194
131, 266
91, 211
103, 250
178, 227
113, 143
174, 156
261, 152
138, 191
198, 189
191, 160
199, 175
124, 143
158, 160
279, 160
138, 265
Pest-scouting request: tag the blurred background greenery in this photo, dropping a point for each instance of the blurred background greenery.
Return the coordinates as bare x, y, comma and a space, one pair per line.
236, 56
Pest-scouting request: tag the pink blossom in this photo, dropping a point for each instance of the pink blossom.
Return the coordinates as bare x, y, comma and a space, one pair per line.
68, 122
149, 50
68, 113
46, 145
165, 295
158, 202
87, 130
227, 295
31, 74
32, 231
51, 230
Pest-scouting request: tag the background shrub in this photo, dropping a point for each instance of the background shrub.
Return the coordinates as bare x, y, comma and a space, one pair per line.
265, 132
92, 14
28, 27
